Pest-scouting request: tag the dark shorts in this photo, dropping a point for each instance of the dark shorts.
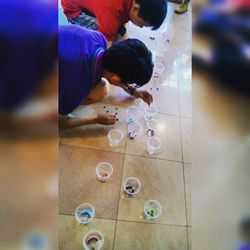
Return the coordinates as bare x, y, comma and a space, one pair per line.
89, 21
85, 20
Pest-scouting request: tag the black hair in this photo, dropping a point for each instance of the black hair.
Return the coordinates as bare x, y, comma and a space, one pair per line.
130, 60
153, 11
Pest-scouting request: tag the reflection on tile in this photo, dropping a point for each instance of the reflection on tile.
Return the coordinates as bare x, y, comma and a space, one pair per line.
71, 234
168, 132
186, 132
188, 179
138, 236
95, 136
78, 182
161, 181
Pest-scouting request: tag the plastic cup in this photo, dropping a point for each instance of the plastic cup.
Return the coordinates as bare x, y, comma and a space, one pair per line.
152, 210
131, 186
158, 70
35, 241
104, 170
84, 213
132, 114
150, 112
115, 136
134, 130
153, 145
152, 125
93, 240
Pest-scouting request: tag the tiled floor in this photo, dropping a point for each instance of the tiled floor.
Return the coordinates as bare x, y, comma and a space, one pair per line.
165, 176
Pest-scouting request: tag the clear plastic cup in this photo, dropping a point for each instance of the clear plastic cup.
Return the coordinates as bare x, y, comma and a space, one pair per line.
35, 241
84, 213
150, 112
115, 136
93, 240
152, 210
158, 70
152, 125
153, 145
132, 114
134, 130
104, 170
131, 186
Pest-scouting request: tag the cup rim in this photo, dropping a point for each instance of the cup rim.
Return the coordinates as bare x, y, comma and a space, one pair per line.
159, 206
102, 163
161, 64
154, 138
119, 132
137, 123
91, 232
85, 204
132, 178
150, 120
152, 114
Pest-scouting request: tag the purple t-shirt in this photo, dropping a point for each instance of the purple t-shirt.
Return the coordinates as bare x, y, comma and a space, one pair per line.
80, 64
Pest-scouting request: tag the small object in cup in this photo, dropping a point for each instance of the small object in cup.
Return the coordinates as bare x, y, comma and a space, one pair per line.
150, 132
152, 210
84, 213
93, 240
134, 129
107, 111
152, 125
150, 111
35, 241
104, 107
104, 171
117, 119
115, 136
131, 186
153, 145
132, 114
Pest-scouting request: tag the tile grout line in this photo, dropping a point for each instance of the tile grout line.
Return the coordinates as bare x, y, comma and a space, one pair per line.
183, 169
124, 155
107, 151
129, 221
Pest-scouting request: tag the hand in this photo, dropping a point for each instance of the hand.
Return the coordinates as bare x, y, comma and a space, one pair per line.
105, 119
144, 95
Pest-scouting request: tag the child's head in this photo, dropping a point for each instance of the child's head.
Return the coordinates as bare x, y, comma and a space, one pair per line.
149, 13
128, 62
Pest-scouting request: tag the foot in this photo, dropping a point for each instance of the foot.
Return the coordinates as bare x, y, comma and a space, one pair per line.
182, 8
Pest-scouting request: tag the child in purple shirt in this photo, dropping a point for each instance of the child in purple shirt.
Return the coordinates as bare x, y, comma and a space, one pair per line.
84, 59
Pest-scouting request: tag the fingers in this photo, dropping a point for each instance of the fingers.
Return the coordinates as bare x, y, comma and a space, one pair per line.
111, 119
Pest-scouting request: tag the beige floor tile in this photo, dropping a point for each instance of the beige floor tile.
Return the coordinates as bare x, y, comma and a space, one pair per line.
71, 234
186, 133
95, 136
188, 182
78, 182
168, 132
161, 181
189, 231
138, 236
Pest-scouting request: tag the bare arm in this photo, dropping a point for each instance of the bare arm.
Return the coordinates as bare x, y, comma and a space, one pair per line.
66, 122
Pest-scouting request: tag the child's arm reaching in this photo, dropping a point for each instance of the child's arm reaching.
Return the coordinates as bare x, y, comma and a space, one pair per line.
69, 122
143, 94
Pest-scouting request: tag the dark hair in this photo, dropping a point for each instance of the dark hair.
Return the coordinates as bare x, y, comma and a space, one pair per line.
130, 60
153, 11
